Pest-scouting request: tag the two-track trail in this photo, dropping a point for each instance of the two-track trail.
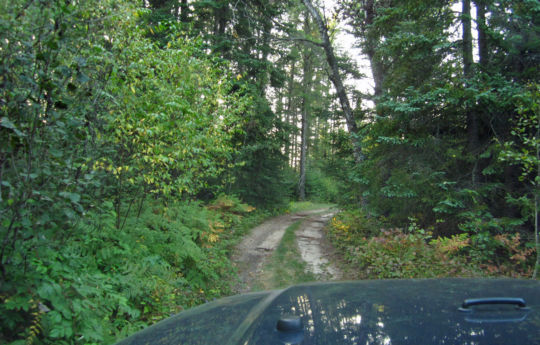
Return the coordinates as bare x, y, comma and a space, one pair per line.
253, 252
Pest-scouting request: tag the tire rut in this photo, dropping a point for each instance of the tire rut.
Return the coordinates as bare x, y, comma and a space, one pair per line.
252, 253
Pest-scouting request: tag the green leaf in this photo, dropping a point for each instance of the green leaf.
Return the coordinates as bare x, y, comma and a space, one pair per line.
6, 123
56, 153
81, 61
73, 197
82, 78
18, 342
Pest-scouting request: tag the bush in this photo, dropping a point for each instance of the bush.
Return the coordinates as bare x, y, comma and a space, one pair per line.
394, 254
92, 111
104, 284
353, 225
320, 187
411, 252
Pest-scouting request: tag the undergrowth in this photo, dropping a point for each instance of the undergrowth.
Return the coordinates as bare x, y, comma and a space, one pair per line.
104, 284
375, 252
298, 206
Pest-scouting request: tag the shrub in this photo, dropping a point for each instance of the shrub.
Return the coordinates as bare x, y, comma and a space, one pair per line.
393, 253
320, 187
104, 284
411, 252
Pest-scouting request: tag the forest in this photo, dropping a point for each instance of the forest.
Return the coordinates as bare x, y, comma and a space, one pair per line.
139, 140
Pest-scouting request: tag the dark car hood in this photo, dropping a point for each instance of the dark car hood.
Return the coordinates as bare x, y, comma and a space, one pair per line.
364, 312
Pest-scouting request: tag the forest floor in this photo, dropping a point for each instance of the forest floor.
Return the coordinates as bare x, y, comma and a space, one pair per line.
286, 250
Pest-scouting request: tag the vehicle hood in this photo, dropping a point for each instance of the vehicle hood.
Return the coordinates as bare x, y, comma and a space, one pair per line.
417, 311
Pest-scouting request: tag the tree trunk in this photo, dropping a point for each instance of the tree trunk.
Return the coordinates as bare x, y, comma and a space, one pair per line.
289, 111
303, 154
220, 23
472, 121
307, 81
184, 11
536, 206
536, 237
467, 38
481, 28
335, 77
370, 44
263, 77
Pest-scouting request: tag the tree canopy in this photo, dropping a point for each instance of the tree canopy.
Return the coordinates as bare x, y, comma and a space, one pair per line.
134, 135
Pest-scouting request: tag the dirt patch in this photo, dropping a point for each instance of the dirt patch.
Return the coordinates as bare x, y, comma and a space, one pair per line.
252, 253
315, 249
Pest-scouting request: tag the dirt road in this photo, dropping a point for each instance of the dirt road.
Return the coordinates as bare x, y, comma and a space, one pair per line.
252, 253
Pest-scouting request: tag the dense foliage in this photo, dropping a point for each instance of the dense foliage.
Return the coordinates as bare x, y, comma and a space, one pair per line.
452, 143
125, 131
238, 34
374, 252
103, 133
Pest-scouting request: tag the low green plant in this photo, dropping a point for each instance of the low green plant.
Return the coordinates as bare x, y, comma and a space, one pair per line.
394, 254
513, 257
286, 266
299, 206
413, 252
104, 284
353, 225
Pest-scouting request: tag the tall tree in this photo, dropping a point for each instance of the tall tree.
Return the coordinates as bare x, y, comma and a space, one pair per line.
240, 33
482, 34
470, 111
307, 58
370, 39
337, 80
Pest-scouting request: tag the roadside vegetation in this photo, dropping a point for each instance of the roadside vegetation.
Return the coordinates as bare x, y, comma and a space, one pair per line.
448, 181
106, 283
299, 206
371, 250
139, 140
116, 156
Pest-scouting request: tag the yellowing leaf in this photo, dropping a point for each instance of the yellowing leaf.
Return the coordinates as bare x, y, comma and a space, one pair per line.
213, 238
